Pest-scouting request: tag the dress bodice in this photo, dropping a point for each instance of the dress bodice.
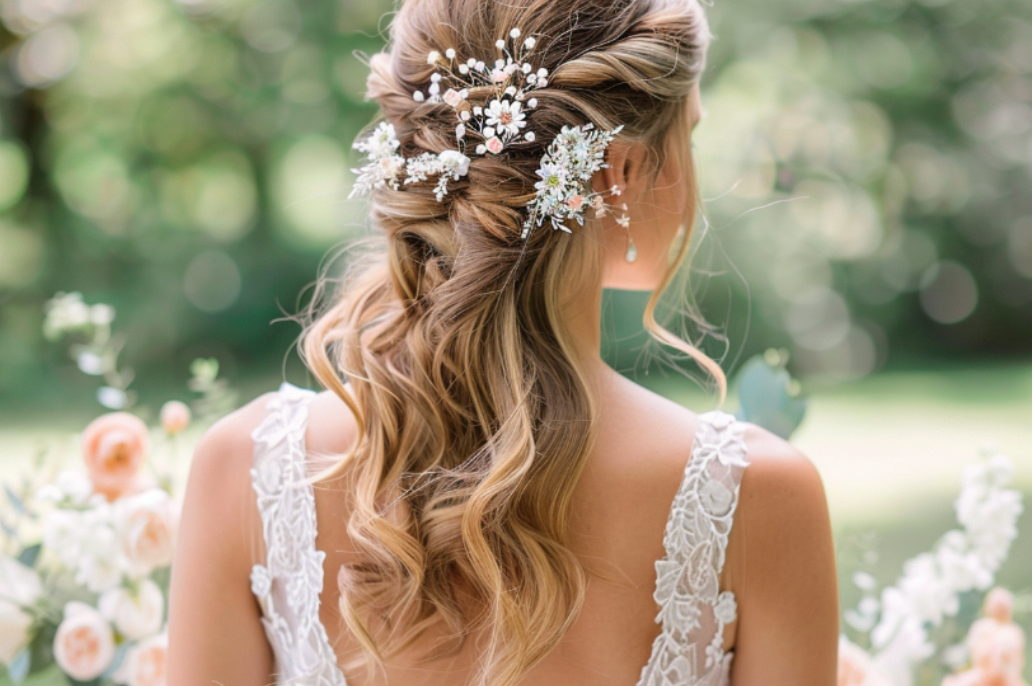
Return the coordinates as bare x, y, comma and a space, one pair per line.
692, 610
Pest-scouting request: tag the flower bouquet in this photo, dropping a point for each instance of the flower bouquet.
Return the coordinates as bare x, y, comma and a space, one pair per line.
86, 552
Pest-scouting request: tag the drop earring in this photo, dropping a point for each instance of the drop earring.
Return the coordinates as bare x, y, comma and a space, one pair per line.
630, 252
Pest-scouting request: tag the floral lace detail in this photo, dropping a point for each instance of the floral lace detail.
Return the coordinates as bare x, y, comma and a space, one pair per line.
288, 585
695, 539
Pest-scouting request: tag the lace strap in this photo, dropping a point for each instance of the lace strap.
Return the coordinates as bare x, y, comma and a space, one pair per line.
695, 541
288, 585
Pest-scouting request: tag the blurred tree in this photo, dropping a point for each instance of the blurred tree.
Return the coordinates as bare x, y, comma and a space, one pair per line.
866, 167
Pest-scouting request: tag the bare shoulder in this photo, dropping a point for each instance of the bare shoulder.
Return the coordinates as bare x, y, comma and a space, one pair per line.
210, 595
783, 567
226, 447
219, 491
780, 483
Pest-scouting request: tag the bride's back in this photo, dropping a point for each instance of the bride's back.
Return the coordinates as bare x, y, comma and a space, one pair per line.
619, 511
779, 567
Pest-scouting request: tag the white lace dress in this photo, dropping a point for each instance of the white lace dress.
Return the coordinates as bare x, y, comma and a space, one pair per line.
693, 611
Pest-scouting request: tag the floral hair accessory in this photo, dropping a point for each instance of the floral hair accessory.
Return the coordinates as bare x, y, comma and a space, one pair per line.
562, 193
563, 190
384, 162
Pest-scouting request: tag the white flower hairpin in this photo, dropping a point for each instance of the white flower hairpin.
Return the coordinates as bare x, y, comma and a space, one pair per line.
563, 191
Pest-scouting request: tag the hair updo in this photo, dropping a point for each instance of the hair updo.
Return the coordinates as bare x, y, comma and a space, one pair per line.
473, 408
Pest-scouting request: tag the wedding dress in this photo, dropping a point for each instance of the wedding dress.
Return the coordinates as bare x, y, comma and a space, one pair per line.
693, 612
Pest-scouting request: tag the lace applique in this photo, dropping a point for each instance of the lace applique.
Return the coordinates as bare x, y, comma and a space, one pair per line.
288, 585
695, 539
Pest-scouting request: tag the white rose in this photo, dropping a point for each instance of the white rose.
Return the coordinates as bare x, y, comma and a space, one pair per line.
75, 486
61, 534
84, 645
146, 525
19, 587
98, 573
146, 663
98, 566
134, 615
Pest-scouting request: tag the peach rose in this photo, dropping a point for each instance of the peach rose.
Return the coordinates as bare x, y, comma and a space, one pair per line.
146, 663
114, 447
175, 416
84, 645
146, 524
996, 645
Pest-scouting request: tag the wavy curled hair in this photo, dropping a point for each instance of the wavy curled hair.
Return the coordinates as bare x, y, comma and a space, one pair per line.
473, 407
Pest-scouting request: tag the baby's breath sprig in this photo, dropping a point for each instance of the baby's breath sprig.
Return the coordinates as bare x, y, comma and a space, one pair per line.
511, 76
563, 191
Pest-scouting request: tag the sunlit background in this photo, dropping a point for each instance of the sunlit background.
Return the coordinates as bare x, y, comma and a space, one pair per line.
865, 167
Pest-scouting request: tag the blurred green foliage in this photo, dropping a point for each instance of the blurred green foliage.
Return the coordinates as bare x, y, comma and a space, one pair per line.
865, 167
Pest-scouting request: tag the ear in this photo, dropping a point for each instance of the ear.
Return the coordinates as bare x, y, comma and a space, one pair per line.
625, 163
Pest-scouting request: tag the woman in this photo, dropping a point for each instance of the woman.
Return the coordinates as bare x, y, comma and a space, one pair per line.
492, 503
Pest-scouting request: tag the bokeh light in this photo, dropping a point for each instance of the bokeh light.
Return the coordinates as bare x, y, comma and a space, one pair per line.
864, 167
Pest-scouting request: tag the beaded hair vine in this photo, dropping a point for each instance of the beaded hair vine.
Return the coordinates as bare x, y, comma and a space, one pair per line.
563, 190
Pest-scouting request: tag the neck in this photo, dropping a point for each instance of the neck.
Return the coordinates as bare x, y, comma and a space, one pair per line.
582, 315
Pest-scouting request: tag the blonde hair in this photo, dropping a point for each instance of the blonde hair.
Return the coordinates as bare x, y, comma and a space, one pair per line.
474, 410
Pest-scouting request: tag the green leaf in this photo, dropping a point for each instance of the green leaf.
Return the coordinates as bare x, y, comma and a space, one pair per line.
120, 655
29, 555
19, 506
18, 668
768, 396
42, 647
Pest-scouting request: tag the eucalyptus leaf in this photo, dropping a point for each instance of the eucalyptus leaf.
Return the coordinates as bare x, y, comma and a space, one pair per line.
18, 668
768, 395
120, 656
29, 555
19, 506
42, 647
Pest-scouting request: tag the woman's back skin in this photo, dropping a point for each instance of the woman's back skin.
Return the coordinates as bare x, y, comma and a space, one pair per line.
780, 562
